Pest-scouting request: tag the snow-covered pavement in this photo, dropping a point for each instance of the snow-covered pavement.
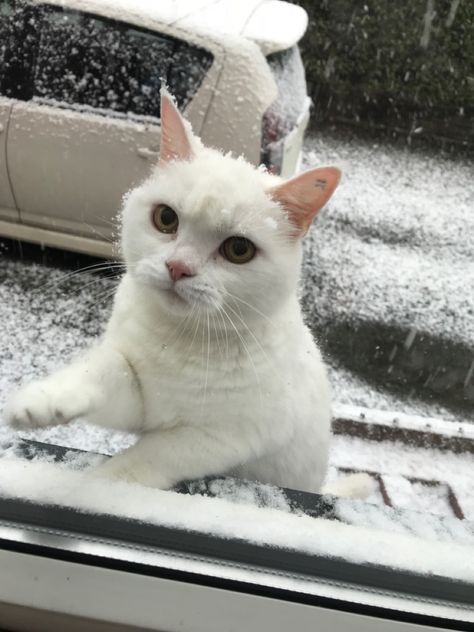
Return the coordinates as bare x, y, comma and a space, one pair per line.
389, 275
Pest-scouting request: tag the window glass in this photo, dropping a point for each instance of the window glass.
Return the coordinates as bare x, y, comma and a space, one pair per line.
81, 60
387, 273
104, 65
6, 17
18, 28
142, 63
87, 61
187, 71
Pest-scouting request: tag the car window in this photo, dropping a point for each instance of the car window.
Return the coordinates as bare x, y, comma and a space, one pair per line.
74, 59
18, 27
88, 61
187, 71
6, 13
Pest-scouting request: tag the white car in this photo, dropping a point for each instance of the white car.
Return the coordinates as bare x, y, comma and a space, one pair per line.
79, 101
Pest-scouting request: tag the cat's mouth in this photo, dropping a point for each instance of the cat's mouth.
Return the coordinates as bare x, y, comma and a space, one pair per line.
186, 294
172, 295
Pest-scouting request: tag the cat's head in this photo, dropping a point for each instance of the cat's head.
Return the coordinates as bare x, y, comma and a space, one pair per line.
211, 233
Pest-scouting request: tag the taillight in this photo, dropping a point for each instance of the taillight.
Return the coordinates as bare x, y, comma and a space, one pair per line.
272, 135
272, 126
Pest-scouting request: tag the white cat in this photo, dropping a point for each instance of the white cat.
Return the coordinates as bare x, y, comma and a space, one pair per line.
206, 355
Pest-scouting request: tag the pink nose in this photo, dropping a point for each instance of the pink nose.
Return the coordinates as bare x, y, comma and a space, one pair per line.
178, 269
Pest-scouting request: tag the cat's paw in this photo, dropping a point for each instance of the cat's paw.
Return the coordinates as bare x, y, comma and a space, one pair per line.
45, 403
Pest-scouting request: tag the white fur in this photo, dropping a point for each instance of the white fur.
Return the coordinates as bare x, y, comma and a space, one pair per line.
217, 373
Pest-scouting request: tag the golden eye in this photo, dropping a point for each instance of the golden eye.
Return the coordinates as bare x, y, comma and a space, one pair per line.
238, 250
165, 219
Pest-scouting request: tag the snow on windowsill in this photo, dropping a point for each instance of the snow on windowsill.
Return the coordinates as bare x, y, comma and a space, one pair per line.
47, 483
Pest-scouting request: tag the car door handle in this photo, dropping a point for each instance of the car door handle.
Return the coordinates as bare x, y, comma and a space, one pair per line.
146, 153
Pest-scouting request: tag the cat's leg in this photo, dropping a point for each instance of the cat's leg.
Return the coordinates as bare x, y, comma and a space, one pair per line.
162, 458
100, 386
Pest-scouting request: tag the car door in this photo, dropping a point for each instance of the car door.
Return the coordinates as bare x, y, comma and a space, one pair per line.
91, 131
7, 202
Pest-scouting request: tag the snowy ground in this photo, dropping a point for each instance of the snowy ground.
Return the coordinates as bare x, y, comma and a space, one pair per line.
389, 276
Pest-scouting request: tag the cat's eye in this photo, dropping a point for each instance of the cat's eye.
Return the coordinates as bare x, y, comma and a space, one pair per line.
238, 250
165, 219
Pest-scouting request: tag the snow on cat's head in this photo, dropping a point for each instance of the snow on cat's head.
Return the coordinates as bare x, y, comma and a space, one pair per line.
208, 231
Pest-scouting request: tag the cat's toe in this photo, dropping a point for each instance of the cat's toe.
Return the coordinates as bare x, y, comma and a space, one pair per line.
35, 406
24, 413
20, 418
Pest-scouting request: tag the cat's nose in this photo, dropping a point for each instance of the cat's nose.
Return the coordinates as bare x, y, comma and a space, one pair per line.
178, 269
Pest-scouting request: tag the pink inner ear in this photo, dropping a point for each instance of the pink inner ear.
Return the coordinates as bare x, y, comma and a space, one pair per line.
175, 143
304, 196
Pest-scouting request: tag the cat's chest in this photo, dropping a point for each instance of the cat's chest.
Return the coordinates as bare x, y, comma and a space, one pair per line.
188, 376
199, 384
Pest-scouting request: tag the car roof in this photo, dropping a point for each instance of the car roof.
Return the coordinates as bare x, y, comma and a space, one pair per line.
272, 24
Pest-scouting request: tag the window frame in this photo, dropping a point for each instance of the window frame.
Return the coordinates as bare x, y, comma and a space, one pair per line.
161, 602
118, 544
63, 535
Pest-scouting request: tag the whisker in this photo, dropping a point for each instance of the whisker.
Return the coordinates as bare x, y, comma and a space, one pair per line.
217, 335
252, 307
257, 342
99, 234
219, 311
107, 296
207, 362
244, 345
198, 322
91, 284
98, 267
182, 326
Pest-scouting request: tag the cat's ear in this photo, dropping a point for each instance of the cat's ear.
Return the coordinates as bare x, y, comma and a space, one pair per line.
176, 133
304, 196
